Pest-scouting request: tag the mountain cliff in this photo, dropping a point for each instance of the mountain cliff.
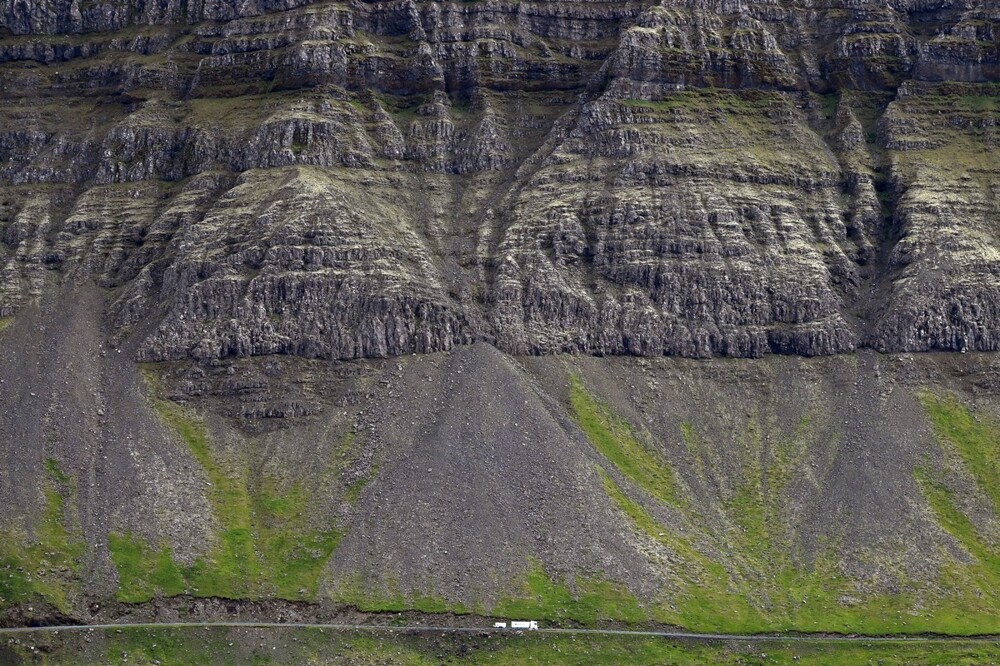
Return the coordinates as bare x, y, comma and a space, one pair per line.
369, 179
463, 307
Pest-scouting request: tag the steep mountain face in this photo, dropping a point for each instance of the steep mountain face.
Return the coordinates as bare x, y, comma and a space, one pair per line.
368, 179
284, 287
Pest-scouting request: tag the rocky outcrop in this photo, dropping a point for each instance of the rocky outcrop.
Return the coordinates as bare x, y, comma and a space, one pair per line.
944, 291
693, 178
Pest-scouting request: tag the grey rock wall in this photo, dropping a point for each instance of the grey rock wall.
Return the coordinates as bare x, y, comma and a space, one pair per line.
343, 181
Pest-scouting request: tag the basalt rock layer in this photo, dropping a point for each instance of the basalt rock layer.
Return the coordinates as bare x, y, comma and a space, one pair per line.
368, 179
284, 287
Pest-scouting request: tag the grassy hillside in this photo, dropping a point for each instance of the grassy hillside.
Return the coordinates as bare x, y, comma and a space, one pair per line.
846, 494
296, 646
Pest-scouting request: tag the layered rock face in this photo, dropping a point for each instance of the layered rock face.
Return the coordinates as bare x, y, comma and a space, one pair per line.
347, 180
314, 184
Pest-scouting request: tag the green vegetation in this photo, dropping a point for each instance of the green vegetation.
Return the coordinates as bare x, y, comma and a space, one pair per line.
402, 109
615, 439
707, 600
956, 97
977, 583
942, 502
5, 322
828, 103
592, 601
355, 593
218, 646
760, 584
266, 547
952, 127
755, 505
976, 440
712, 99
47, 565
218, 106
634, 650
696, 449
141, 573
739, 128
974, 444
589, 601
293, 555
868, 108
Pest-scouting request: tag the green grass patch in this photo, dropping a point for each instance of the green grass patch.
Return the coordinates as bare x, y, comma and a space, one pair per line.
752, 579
828, 104
55, 473
712, 99
5, 322
47, 564
769, 464
612, 651
294, 554
971, 590
616, 440
941, 500
225, 646
709, 599
974, 587
954, 123
143, 573
975, 439
592, 601
268, 544
353, 592
355, 489
751, 506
